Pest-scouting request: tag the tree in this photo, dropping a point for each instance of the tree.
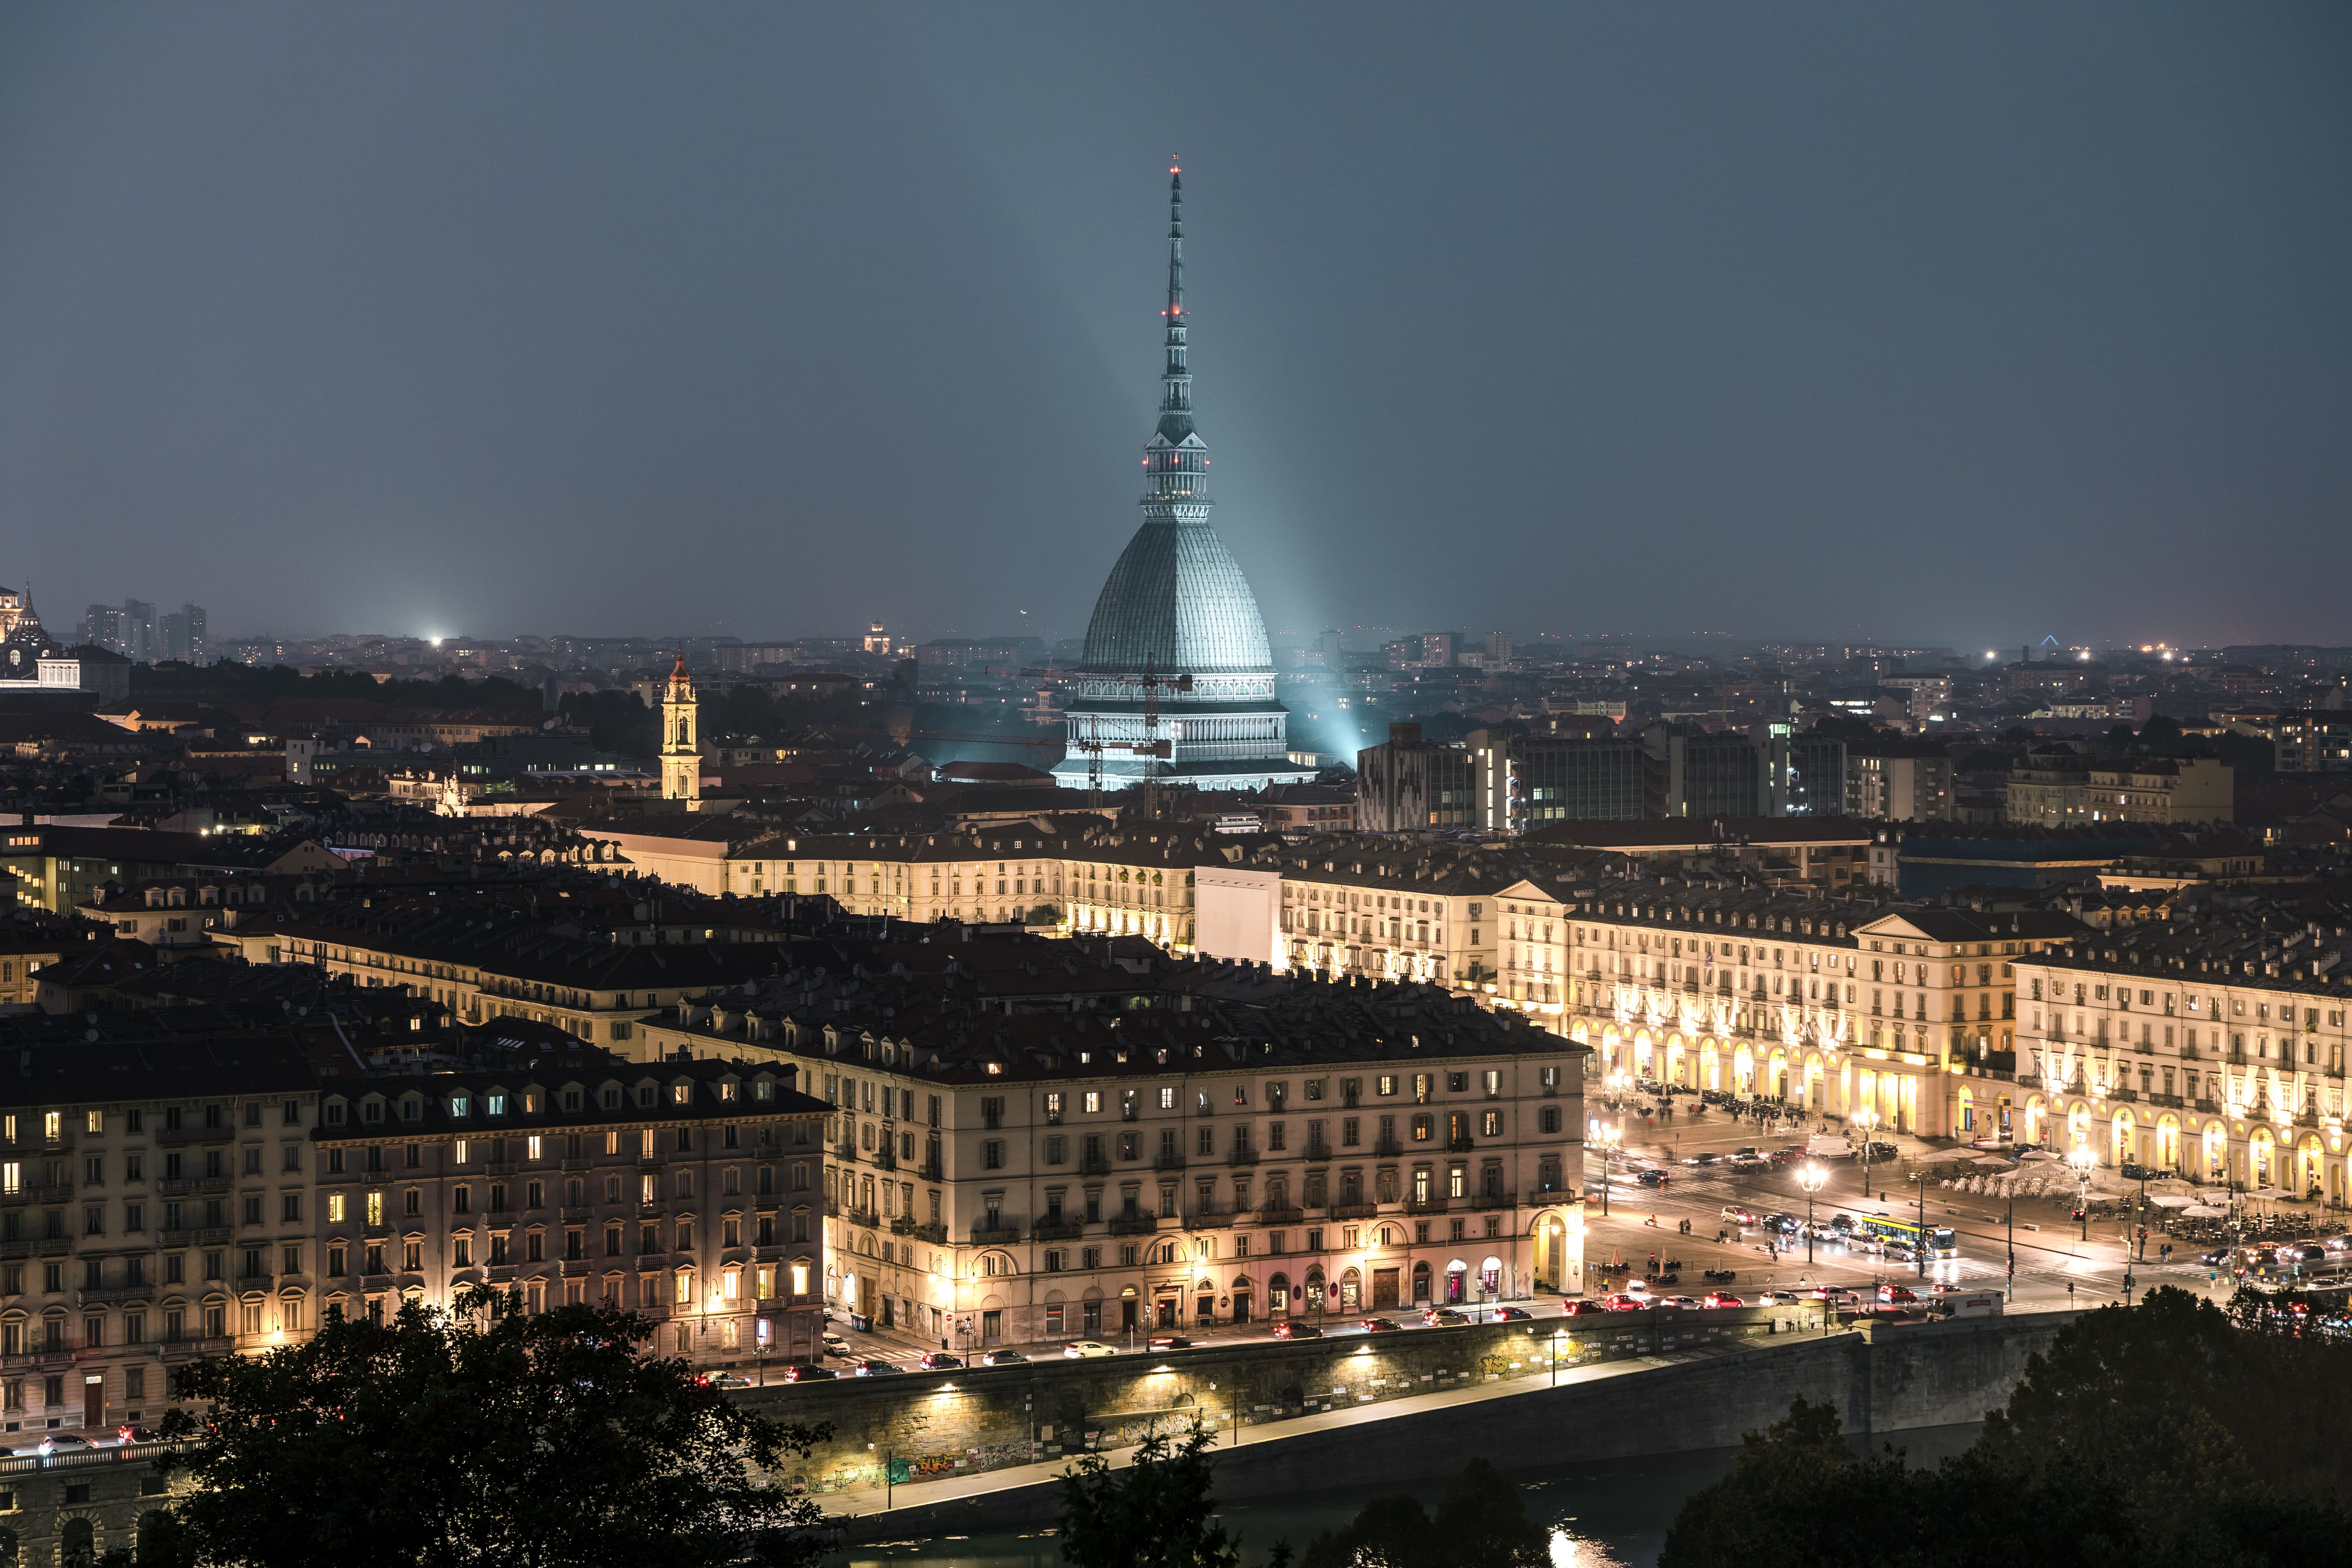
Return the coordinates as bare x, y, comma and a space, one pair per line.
485, 1437
1482, 1522
1153, 1514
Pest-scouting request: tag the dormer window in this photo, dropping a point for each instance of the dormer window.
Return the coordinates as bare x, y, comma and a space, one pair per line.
726, 1091
611, 1100
647, 1095
496, 1103
763, 1089
571, 1100
412, 1110
681, 1094
334, 1115
372, 1111
458, 1107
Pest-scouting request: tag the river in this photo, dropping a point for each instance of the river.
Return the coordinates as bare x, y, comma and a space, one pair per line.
1605, 1513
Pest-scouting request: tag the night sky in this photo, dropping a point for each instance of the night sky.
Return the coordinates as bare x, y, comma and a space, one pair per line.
1960, 325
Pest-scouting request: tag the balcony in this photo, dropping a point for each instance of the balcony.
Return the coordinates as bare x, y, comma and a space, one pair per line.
1424, 1205
1387, 1146
1003, 1233
1544, 1198
1288, 1216
1058, 1230
930, 1171
1242, 1157
194, 1350
1492, 1200
832, 1208
1167, 1160
1318, 1152
870, 1221
2211, 1108
106, 1295
1134, 1224
2172, 1101
1459, 1146
579, 1164
1094, 1165
574, 1215
1209, 1218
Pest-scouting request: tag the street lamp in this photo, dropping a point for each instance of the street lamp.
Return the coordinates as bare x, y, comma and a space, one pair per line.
1811, 1179
1609, 1136
2083, 1157
1869, 1121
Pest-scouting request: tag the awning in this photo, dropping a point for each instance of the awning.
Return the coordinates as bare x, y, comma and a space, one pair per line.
2168, 1201
2202, 1211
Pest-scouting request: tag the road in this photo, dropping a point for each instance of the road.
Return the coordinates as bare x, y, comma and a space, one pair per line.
2051, 1252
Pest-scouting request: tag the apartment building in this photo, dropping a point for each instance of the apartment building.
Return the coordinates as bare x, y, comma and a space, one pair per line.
1900, 781
1838, 1004
2064, 789
1410, 785
155, 1207
1376, 908
1036, 1139
2212, 1045
688, 1192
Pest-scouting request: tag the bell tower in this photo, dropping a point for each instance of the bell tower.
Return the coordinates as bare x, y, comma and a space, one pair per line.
681, 758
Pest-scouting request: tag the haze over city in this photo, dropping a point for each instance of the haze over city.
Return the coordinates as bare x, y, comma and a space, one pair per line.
1965, 327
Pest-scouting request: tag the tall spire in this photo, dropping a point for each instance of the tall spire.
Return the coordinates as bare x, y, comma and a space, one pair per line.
1175, 457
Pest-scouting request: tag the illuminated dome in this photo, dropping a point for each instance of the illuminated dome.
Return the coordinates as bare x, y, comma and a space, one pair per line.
1176, 607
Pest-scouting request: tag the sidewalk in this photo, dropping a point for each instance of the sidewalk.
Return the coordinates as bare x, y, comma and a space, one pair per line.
926, 1494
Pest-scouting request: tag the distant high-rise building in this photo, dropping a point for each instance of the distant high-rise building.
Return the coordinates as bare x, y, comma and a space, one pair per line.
181, 636
102, 625
140, 631
1176, 628
1524, 781
1499, 649
1410, 785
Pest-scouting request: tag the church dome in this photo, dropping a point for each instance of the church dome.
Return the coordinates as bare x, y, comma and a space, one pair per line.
1177, 594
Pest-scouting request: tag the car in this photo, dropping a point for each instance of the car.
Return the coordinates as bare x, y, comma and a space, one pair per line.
1637, 1288
1578, 1306
809, 1371
874, 1366
1652, 1178
1841, 1222
1897, 1294
1705, 1157
939, 1361
1625, 1303
1683, 1303
1776, 1299
1378, 1325
1749, 1157
1784, 1223
1004, 1358
64, 1443
1882, 1151
1513, 1315
836, 1345
1786, 1156
1168, 1342
1835, 1295
1723, 1299
725, 1380
1738, 1215
131, 1432
1086, 1349
1444, 1317
1901, 1252
1292, 1329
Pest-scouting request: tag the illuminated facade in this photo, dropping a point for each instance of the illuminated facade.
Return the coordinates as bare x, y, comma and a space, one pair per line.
681, 752
2216, 1050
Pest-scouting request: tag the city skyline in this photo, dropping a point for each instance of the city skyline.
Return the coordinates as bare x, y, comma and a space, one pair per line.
1700, 314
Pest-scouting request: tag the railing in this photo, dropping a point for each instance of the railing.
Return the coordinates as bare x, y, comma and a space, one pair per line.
1387, 1146
1134, 1224
1167, 1161
1424, 1205
870, 1221
1492, 1200
95, 1295
1459, 1146
1350, 1211
1002, 1233
931, 1171
1242, 1157
1209, 1219
1094, 1165
832, 1208
1058, 1230
1281, 1217
86, 1459
1544, 1198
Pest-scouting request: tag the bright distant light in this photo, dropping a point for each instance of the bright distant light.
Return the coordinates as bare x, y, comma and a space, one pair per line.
1989, 654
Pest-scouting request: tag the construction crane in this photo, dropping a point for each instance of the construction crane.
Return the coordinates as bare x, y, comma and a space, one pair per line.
1153, 748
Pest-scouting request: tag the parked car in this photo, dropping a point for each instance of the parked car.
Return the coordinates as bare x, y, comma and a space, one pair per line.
939, 1361
1513, 1315
1578, 1306
1293, 1328
836, 1345
1168, 1342
1086, 1349
873, 1366
1002, 1358
1723, 1299
1445, 1317
1378, 1325
809, 1371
